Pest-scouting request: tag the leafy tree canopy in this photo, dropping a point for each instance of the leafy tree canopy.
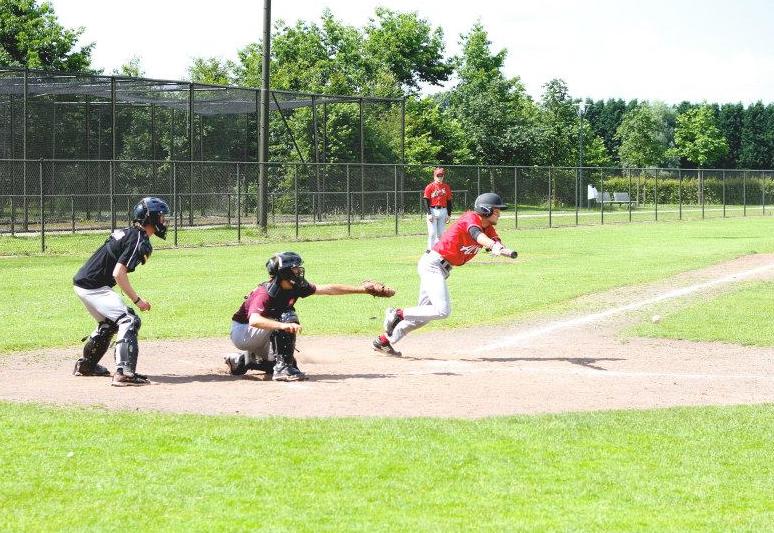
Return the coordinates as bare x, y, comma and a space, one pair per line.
31, 36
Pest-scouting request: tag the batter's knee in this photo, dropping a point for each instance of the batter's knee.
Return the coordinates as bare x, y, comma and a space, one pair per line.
442, 310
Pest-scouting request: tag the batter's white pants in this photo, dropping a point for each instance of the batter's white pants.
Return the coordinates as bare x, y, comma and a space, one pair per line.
254, 341
436, 226
104, 303
434, 301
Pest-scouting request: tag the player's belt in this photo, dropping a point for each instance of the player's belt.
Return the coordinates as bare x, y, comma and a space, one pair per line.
438, 206
444, 263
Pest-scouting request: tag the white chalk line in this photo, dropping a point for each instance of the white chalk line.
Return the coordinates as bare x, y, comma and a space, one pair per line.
589, 372
515, 340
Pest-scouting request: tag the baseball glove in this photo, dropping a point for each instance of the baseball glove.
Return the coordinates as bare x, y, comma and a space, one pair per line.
377, 289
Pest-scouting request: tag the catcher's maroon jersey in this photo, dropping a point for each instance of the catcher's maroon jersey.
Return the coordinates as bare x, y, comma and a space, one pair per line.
259, 301
456, 244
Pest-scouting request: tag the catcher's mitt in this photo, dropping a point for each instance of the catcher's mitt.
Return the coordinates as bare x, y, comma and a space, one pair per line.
377, 289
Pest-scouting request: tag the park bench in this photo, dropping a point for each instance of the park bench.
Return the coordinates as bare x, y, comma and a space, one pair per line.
603, 197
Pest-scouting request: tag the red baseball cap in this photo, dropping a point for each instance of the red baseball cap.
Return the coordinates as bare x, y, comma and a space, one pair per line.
439, 171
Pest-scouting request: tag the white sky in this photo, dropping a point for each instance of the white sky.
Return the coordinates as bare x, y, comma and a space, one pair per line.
713, 50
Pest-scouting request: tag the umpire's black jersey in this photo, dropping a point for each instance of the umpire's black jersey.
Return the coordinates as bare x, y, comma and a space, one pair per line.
129, 246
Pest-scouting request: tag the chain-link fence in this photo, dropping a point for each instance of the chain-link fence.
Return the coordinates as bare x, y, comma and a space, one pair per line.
58, 206
57, 115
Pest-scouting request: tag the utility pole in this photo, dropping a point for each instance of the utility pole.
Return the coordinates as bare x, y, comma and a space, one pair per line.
263, 150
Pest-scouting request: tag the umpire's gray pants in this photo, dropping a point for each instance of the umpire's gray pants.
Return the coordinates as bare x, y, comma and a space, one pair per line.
104, 303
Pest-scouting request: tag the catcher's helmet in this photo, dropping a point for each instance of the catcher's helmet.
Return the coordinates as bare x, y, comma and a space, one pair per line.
149, 211
486, 203
280, 266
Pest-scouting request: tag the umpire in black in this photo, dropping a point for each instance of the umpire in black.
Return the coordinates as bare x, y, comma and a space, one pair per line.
122, 252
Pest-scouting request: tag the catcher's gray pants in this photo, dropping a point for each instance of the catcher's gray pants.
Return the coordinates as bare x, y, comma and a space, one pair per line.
436, 226
434, 301
254, 341
104, 303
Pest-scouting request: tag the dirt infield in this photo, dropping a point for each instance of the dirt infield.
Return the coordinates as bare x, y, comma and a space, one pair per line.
573, 362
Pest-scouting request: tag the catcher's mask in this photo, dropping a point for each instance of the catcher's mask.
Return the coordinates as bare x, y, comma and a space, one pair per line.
486, 203
285, 265
150, 211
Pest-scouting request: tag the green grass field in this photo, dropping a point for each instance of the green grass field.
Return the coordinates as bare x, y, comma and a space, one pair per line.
707, 468
742, 317
195, 291
663, 470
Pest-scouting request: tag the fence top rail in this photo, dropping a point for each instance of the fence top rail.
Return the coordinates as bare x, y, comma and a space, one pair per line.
377, 165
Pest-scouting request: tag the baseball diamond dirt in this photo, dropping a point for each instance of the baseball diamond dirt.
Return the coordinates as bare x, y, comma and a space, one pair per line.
574, 362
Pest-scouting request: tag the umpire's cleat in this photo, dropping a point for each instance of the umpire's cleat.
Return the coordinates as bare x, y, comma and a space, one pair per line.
135, 380
383, 346
391, 319
82, 368
288, 373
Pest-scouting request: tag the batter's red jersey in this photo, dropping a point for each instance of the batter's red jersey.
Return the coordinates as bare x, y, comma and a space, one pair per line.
438, 194
456, 244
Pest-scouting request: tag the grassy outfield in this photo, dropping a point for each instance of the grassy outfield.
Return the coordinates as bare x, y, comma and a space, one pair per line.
194, 291
742, 317
662, 470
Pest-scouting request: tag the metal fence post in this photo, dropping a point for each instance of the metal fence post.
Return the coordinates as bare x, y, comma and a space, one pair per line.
175, 204
701, 191
629, 172
72, 212
42, 209
111, 191
295, 198
239, 204
680, 191
349, 205
550, 199
395, 172
724, 193
763, 193
744, 193
577, 195
516, 197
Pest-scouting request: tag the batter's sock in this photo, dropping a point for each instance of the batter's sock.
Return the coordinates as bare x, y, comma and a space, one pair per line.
383, 340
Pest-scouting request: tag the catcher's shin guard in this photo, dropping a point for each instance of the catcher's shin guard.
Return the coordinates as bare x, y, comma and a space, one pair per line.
127, 347
96, 345
283, 347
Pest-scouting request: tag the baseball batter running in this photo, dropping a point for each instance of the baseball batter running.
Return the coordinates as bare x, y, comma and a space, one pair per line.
122, 252
458, 245
266, 324
438, 203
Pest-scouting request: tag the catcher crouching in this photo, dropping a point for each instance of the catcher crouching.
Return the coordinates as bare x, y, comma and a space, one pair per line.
266, 324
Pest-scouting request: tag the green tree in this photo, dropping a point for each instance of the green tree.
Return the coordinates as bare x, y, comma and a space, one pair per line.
410, 48
730, 122
496, 113
132, 68
212, 70
697, 137
642, 138
755, 152
559, 124
433, 135
31, 36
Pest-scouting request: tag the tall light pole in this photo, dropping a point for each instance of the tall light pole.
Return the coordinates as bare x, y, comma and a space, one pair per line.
263, 149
